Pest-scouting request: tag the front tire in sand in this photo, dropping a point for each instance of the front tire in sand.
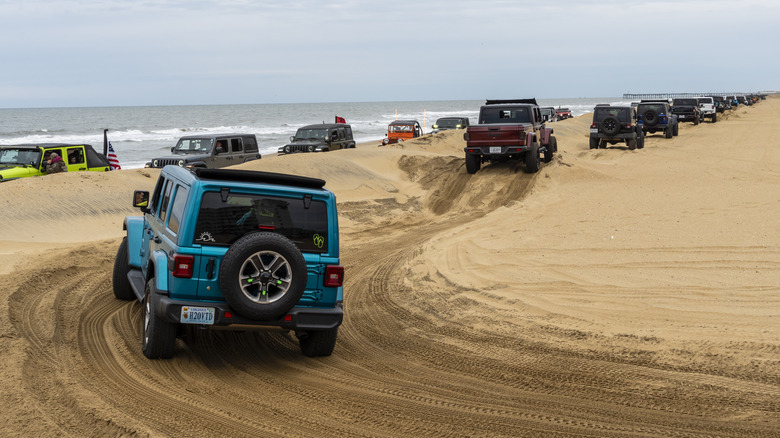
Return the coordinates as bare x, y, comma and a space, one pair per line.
263, 275
552, 147
158, 337
532, 161
120, 282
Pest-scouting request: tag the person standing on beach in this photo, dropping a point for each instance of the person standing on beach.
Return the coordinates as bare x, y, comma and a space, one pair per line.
55, 164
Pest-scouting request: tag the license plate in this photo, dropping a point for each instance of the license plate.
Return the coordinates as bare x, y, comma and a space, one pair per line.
495, 149
594, 130
197, 315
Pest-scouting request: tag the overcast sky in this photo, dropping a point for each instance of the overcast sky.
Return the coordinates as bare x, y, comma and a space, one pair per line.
180, 52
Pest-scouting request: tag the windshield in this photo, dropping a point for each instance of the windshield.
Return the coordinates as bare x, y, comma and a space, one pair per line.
685, 102
311, 134
18, 156
193, 146
620, 113
401, 128
448, 123
505, 115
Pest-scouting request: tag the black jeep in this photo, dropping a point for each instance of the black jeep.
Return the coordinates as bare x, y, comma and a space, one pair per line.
687, 110
613, 124
320, 138
656, 115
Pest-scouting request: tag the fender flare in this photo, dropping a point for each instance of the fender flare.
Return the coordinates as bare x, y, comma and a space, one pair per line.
160, 260
134, 226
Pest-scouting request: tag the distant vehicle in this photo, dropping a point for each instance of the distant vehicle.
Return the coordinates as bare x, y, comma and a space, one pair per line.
708, 108
321, 137
613, 124
446, 123
656, 115
19, 161
548, 113
402, 130
687, 109
210, 151
563, 113
509, 130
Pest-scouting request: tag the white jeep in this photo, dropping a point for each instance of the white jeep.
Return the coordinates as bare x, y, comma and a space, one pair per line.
707, 107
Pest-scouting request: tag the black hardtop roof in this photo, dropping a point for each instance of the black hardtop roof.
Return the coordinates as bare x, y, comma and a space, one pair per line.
654, 101
606, 105
452, 117
254, 176
404, 122
325, 125
228, 134
531, 101
44, 145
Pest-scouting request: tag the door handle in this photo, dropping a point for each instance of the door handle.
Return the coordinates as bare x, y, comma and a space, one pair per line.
157, 239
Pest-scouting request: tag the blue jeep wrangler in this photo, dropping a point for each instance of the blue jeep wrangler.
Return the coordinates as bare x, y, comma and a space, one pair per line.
657, 115
231, 249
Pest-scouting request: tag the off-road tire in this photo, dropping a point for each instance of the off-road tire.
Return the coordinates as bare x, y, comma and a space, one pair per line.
610, 125
532, 161
640, 140
473, 163
552, 147
631, 142
676, 129
594, 143
121, 284
714, 117
158, 337
650, 118
668, 132
695, 120
263, 275
318, 343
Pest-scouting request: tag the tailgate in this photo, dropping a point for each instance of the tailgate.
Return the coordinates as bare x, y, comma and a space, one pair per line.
495, 135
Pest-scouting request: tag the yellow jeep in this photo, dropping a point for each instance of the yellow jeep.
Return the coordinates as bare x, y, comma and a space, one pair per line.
19, 161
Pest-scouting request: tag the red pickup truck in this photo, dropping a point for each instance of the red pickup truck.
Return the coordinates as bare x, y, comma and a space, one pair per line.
509, 130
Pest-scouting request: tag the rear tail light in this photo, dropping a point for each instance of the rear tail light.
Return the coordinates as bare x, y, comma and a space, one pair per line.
334, 276
183, 266
593, 125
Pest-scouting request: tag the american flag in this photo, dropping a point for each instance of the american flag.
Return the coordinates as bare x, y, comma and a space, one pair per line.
113, 161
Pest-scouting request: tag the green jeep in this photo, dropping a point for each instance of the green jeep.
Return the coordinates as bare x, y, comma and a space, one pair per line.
19, 161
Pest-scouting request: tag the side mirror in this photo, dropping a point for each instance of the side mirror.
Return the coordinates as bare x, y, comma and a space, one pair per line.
140, 199
292, 138
173, 148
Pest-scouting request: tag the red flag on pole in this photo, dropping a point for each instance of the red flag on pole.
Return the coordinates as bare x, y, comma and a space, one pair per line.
340, 120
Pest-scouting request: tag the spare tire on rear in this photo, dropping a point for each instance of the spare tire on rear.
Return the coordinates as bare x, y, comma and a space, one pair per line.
263, 275
650, 118
610, 125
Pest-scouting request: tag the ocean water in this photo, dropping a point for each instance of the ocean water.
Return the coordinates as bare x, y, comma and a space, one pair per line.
139, 133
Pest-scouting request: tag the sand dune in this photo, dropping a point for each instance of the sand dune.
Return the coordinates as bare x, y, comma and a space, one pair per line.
614, 293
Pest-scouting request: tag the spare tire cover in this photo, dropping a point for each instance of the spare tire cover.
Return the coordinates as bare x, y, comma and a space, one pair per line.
263, 275
610, 125
650, 118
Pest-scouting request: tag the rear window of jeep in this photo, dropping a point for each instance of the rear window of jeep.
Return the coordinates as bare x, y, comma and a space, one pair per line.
603, 113
223, 221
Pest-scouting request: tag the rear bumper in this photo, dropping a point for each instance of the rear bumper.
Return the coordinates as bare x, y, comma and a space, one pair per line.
298, 318
495, 150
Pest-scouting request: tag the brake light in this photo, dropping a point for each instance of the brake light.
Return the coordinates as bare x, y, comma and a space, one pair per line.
183, 266
593, 125
334, 276
266, 227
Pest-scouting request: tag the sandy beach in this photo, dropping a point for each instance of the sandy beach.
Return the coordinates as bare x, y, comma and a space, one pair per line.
614, 293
